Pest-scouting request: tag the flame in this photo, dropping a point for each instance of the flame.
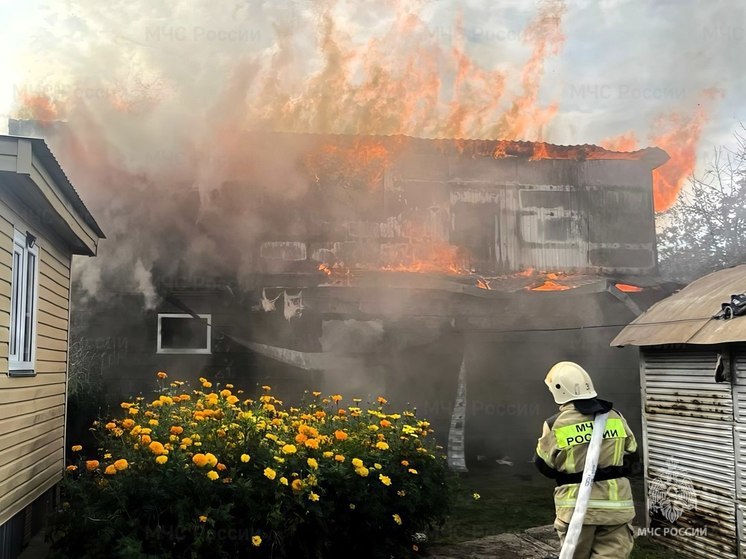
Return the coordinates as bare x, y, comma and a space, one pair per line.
430, 257
677, 133
482, 283
550, 285
365, 161
39, 107
627, 288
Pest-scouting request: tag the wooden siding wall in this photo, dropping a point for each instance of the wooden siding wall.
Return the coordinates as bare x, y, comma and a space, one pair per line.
32, 409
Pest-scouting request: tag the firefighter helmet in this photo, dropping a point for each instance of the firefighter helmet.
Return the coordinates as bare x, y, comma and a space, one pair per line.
569, 381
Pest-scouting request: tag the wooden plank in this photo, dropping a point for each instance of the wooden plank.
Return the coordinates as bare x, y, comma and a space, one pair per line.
30, 406
14, 445
47, 367
44, 342
14, 383
50, 261
46, 318
6, 228
48, 283
20, 488
28, 460
50, 332
22, 394
45, 307
13, 424
47, 295
5, 289
43, 484
50, 355
49, 272
6, 274
50, 249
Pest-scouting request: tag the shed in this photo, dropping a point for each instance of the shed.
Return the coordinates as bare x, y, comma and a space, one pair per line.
693, 381
43, 223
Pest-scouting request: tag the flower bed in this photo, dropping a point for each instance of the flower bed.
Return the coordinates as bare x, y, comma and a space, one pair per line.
207, 473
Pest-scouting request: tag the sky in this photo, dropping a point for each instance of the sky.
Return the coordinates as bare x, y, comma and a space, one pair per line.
620, 67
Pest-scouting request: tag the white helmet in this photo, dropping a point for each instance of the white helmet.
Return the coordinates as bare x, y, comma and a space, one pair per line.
569, 381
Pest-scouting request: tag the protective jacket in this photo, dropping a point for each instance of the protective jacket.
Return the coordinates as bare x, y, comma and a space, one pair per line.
560, 454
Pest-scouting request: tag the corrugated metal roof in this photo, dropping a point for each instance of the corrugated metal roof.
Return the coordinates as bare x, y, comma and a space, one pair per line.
42, 151
686, 316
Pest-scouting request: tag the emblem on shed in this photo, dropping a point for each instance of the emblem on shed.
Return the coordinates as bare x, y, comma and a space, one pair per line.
672, 494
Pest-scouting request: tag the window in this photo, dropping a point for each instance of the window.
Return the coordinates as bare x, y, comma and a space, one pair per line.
184, 333
23, 305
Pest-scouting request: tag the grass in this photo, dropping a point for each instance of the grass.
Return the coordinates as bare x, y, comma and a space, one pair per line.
512, 502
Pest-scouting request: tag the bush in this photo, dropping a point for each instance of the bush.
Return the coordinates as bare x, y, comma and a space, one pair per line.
206, 474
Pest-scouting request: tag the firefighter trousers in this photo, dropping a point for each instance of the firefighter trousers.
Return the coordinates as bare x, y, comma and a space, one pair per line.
600, 542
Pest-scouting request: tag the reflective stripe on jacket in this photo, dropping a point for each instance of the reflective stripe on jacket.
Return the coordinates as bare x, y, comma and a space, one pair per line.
563, 448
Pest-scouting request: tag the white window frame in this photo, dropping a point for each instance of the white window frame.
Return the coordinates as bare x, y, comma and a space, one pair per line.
18, 335
201, 350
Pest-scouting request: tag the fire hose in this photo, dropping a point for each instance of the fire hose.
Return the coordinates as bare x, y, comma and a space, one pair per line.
584, 494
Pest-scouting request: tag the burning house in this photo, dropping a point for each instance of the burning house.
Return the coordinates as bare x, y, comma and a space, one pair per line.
444, 274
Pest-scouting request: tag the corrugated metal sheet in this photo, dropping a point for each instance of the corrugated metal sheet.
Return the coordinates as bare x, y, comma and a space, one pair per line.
686, 317
690, 440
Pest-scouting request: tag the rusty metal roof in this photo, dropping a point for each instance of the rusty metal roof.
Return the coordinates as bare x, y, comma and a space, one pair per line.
686, 317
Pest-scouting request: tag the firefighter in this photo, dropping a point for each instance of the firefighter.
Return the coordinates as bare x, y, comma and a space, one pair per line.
560, 455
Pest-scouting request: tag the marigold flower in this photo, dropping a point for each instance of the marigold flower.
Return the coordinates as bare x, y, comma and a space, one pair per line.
176, 430
412, 471
356, 462
161, 375
339, 458
207, 384
202, 518
225, 393
162, 459
71, 468
91, 465
134, 411
153, 422
386, 480
404, 463
128, 423
256, 541
313, 497
212, 475
221, 467
269, 473
266, 388
300, 438
316, 394
157, 448
110, 470
385, 423
212, 460
111, 425
337, 398
76, 448
289, 449
245, 458
125, 405
297, 485
145, 439
396, 518
121, 464
377, 466
284, 480
328, 454
340, 435
312, 443
312, 463
232, 400
199, 460
107, 455
362, 471
381, 400
382, 445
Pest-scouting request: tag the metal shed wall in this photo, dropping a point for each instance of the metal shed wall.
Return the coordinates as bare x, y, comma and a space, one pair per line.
689, 420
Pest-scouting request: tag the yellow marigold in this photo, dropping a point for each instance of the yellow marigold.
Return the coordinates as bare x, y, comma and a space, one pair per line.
396, 518
156, 404
337, 397
269, 473
385, 423
404, 463
386, 480
157, 448
161, 375
316, 394
121, 464
176, 430
328, 454
289, 449
145, 439
232, 400
134, 411
125, 405
245, 458
199, 460
356, 462
382, 445
91, 465
111, 425
153, 422
213, 475
266, 388
136, 430
76, 448
110, 470
381, 400
340, 435
412, 471
312, 463
212, 460
107, 455
339, 458
256, 541
301, 438
377, 466
162, 459
362, 471
71, 468
297, 485
313, 497
284, 480
312, 443
202, 518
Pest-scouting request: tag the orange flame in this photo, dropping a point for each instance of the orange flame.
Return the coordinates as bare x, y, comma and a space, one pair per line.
550, 285
627, 288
